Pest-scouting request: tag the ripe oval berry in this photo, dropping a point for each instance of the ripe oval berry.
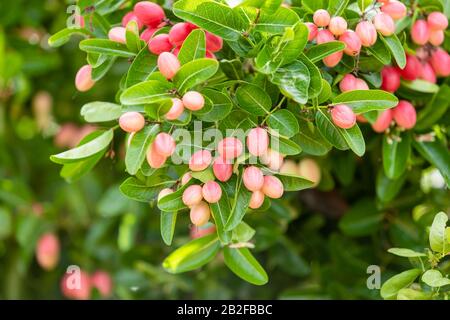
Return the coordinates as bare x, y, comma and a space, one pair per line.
347, 83
395, 9
384, 24
404, 114
383, 121
149, 13
81, 291
343, 116
253, 178
272, 187
186, 178
212, 192
164, 144
412, 69
47, 251
168, 64
436, 37
337, 26
129, 17
324, 36
176, 110
257, 141
312, 30
102, 281
437, 21
222, 169
200, 160
213, 42
199, 232
83, 79
428, 73
154, 159
164, 192
289, 167
179, 32
147, 34
117, 34
256, 200
309, 169
193, 100
360, 84
390, 79
200, 214
230, 148
333, 59
352, 42
367, 33
272, 159
159, 44
440, 61
192, 195
420, 32
131, 121
321, 18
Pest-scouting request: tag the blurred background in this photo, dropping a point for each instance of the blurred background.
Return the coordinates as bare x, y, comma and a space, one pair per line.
314, 244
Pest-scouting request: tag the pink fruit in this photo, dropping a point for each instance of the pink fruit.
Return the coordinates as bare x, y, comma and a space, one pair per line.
76, 286
193, 100
149, 13
192, 195
384, 24
289, 167
440, 61
321, 18
310, 170
324, 36
350, 82
210, 55
361, 84
176, 110
213, 42
272, 159
272, 187
102, 281
212, 192
179, 32
117, 34
436, 37
367, 33
412, 69
383, 121
164, 192
47, 251
186, 178
222, 169
176, 51
337, 26
159, 44
352, 42
164, 144
333, 59
420, 32
200, 160
312, 30
437, 21
390, 79
404, 114
168, 64
83, 79
129, 17
256, 200
199, 232
147, 34
154, 159
343, 116
428, 73
230, 148
131, 121
257, 141
395, 9
200, 214
253, 178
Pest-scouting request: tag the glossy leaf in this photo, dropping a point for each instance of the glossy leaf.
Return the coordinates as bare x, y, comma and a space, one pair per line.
244, 265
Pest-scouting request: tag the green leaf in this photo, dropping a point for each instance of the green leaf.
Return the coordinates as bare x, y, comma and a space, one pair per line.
221, 211
293, 80
74, 171
142, 67
194, 73
386, 188
329, 131
391, 287
204, 176
420, 85
101, 111
133, 41
174, 201
194, 47
5, 223
139, 191
63, 36
167, 226
137, 150
310, 140
222, 106
315, 87
395, 155
106, 47
243, 232
362, 219
100, 71
86, 150
253, 99
240, 206
407, 253
362, 101
435, 279
284, 123
434, 110
437, 154
285, 146
438, 237
337, 7
396, 48
411, 294
192, 255
380, 52
148, 92
277, 22
244, 265
294, 183
320, 51
354, 139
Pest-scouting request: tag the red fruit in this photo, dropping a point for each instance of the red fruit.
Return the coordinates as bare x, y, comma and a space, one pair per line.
437, 21
333, 59
350, 82
312, 30
352, 43
272, 187
47, 251
154, 159
179, 32
412, 69
257, 141
213, 42
149, 13
222, 170
168, 64
272, 159
164, 192
76, 285
230, 148
337, 26
367, 33
383, 121
343, 116
428, 73
164, 144
390, 79
324, 36
256, 200
212, 192
159, 44
384, 24
200, 160
186, 178
253, 178
147, 34
199, 232
200, 214
102, 281
210, 55
131, 16
440, 61
176, 110
404, 114
395, 9
117, 34
436, 37
83, 79
321, 18
420, 32
176, 51
131, 121
192, 195
193, 100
